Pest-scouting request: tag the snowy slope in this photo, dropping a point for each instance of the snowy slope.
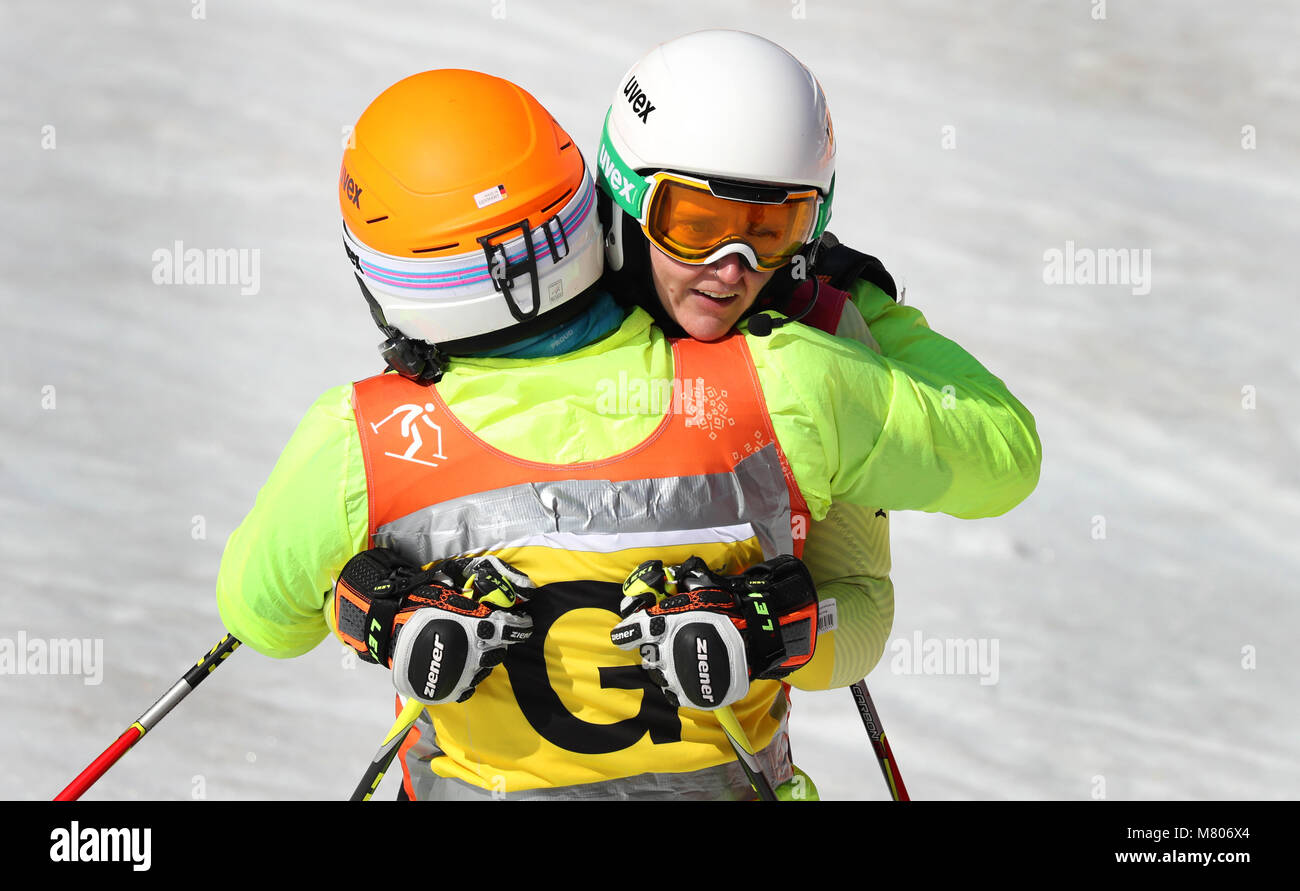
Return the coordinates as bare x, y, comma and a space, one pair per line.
1141, 600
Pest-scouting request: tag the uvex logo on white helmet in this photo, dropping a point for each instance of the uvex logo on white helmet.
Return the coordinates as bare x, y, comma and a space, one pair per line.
636, 97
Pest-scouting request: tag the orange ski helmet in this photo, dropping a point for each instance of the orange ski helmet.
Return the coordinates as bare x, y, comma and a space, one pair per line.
468, 214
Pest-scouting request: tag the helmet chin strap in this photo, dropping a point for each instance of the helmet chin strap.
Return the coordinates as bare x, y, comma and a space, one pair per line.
421, 362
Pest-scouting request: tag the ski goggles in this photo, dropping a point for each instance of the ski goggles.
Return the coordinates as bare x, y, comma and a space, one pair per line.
699, 221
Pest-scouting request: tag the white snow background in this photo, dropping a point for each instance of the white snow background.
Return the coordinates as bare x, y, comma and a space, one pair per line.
1142, 599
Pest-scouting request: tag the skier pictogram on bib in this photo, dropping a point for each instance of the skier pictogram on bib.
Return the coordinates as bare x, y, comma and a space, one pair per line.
412, 416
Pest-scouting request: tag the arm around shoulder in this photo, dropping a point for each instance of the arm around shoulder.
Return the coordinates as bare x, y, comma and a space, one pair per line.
942, 435
279, 565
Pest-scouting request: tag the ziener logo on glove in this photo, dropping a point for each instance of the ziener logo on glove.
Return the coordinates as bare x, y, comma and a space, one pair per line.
631, 632
706, 683
435, 666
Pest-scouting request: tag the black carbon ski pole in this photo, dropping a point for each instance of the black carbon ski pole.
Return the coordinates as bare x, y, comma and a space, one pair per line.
871, 720
146, 722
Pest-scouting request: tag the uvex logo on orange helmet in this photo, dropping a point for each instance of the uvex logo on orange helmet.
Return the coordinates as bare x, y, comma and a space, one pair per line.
349, 188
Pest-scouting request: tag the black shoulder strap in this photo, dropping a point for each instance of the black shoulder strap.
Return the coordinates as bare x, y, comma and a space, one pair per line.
840, 266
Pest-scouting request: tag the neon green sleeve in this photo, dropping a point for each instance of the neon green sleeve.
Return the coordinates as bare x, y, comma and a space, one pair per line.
904, 335
938, 434
310, 518
847, 554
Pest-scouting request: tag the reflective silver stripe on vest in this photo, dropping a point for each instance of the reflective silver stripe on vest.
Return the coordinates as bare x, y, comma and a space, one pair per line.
724, 782
755, 493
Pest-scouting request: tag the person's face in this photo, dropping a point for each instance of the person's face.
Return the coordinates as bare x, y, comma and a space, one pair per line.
706, 301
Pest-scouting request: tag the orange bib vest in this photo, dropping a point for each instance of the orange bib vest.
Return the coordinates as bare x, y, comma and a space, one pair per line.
568, 707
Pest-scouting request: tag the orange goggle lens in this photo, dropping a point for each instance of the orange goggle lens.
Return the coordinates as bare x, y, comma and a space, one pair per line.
687, 221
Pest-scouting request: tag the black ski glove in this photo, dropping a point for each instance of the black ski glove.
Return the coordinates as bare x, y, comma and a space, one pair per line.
705, 636
441, 630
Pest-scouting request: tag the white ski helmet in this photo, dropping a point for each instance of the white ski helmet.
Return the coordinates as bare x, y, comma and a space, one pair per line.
469, 217
717, 105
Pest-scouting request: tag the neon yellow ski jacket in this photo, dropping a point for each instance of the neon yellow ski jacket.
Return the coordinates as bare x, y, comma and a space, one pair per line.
848, 552
940, 435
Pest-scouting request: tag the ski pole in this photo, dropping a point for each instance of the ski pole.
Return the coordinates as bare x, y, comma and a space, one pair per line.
745, 754
871, 720
387, 749
146, 722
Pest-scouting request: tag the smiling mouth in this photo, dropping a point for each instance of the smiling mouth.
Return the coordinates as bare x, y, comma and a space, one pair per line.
716, 297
